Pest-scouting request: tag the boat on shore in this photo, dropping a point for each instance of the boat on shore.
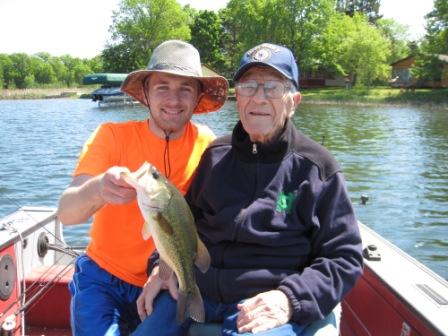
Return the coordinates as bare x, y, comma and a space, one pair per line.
109, 94
396, 295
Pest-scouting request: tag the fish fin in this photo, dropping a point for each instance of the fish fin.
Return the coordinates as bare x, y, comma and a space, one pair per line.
190, 304
165, 271
164, 224
202, 260
146, 231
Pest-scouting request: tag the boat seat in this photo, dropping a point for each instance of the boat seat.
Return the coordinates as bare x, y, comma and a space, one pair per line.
53, 310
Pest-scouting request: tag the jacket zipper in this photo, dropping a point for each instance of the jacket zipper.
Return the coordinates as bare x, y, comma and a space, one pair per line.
255, 152
254, 148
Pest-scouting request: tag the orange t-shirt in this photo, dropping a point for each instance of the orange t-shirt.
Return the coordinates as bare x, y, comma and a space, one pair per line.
116, 241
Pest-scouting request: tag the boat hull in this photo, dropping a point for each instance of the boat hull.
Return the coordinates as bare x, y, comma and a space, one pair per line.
395, 296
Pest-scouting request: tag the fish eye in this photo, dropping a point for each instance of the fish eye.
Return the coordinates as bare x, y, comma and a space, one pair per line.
155, 174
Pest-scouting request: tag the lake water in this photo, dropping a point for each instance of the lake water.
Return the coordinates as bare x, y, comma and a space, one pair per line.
397, 156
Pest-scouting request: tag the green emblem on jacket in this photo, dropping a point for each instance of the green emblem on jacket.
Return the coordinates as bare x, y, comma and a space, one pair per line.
284, 202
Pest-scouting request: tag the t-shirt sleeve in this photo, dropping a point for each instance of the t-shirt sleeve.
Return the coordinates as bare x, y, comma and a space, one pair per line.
206, 134
98, 153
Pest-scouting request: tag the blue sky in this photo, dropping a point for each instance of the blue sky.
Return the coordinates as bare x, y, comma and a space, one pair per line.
80, 27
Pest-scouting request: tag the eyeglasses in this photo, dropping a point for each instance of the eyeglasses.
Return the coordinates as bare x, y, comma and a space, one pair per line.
272, 89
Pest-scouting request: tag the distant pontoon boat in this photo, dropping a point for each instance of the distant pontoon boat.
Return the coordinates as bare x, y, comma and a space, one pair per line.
109, 93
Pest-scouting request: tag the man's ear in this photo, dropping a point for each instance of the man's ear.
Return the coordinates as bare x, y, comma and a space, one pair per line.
297, 99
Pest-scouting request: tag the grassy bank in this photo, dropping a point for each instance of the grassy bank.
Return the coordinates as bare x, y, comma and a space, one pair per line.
44, 93
377, 95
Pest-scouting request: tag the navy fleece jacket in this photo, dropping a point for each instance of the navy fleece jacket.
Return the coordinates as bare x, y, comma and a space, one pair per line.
276, 217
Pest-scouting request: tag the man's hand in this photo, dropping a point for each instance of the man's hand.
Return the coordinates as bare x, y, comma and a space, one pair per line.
263, 312
151, 289
113, 188
87, 194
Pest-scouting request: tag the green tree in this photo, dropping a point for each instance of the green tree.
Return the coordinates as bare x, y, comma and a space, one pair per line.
6, 67
437, 26
191, 13
95, 64
299, 25
76, 69
428, 65
21, 72
397, 37
120, 58
370, 8
2, 81
241, 22
59, 68
296, 24
206, 36
138, 27
355, 48
43, 71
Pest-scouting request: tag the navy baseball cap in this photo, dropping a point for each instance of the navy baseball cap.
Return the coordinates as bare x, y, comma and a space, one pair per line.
274, 56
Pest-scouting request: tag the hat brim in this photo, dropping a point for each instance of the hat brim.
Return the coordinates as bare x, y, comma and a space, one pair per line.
214, 89
247, 66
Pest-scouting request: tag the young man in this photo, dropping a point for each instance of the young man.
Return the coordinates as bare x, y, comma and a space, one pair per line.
282, 235
108, 279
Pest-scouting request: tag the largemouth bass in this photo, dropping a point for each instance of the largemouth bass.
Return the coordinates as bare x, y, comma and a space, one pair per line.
169, 221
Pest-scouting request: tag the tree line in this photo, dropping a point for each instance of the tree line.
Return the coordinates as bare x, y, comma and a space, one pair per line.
22, 71
332, 37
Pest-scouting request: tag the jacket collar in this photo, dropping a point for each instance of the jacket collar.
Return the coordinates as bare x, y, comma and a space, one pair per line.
268, 153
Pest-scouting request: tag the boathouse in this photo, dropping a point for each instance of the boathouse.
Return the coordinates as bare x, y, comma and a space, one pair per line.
402, 76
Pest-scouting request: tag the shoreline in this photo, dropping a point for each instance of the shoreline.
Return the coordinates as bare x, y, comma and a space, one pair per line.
315, 97
374, 103
43, 93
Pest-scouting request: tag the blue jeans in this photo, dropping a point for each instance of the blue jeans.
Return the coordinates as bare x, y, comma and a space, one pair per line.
102, 304
162, 321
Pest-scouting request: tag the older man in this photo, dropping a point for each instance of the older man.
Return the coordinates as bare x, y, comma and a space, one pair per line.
272, 208
109, 278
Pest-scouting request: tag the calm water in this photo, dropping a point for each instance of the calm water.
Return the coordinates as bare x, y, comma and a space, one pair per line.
398, 156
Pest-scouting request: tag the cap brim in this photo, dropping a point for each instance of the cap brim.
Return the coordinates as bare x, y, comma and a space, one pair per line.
214, 89
247, 66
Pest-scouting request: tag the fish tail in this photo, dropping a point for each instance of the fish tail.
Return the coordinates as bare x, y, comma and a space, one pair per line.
190, 304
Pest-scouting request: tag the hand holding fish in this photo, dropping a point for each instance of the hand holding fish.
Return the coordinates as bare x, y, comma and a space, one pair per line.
151, 289
87, 194
264, 311
114, 189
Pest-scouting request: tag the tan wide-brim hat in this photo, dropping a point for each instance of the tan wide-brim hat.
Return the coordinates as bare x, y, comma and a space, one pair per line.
181, 59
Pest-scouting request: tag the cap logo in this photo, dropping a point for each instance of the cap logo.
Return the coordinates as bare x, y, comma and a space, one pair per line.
262, 52
262, 55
